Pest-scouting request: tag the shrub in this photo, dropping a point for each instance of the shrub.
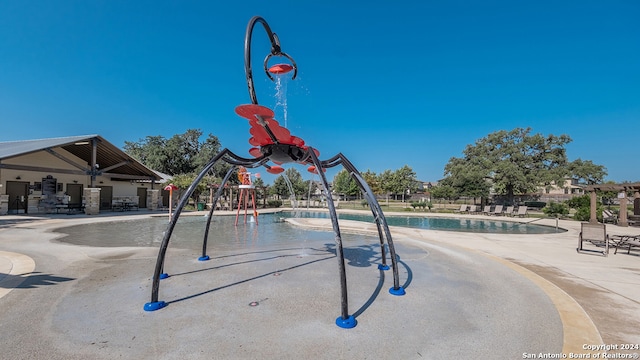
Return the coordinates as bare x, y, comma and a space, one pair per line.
421, 204
556, 209
579, 202
582, 214
274, 203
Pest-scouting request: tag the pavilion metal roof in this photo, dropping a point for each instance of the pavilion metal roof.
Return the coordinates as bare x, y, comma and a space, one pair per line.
108, 156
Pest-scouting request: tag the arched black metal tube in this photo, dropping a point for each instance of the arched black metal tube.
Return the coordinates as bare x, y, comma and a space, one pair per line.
225, 155
375, 208
370, 199
213, 207
275, 51
275, 47
338, 237
172, 223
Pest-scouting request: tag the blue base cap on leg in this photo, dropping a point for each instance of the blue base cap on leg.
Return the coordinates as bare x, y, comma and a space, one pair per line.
203, 258
398, 292
155, 305
383, 267
348, 323
164, 276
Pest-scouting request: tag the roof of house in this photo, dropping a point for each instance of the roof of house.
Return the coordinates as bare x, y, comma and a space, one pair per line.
110, 159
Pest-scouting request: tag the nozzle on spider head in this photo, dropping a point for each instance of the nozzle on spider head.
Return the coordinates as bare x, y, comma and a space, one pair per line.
280, 69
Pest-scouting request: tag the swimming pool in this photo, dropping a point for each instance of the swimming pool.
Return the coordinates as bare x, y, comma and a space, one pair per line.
439, 223
189, 230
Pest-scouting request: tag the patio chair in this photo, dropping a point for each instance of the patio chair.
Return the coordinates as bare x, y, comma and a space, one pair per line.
473, 209
629, 242
522, 211
497, 210
595, 234
463, 208
487, 210
609, 216
509, 211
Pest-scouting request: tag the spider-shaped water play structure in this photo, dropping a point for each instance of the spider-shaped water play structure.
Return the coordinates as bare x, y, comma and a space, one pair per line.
274, 143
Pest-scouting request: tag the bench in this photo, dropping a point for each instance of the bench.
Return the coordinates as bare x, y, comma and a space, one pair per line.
595, 234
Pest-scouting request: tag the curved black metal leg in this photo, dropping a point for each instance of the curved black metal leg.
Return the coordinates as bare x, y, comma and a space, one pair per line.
379, 215
224, 155
344, 320
204, 256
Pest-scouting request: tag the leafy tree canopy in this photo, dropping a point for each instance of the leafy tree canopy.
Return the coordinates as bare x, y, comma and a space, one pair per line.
443, 191
514, 162
373, 181
343, 183
183, 181
587, 172
280, 186
181, 154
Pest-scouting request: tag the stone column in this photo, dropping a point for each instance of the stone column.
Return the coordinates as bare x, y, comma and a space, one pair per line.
593, 217
4, 204
91, 200
622, 219
152, 199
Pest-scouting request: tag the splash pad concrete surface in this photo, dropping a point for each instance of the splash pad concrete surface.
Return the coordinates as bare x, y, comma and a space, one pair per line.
468, 295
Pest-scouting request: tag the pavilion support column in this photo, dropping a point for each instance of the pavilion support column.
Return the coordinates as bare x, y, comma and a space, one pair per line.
636, 203
94, 166
622, 219
593, 217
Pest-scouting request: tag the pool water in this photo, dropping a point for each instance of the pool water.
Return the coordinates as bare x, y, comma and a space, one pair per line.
189, 230
440, 223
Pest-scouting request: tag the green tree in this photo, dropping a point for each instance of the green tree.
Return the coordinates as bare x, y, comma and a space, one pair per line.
468, 181
387, 183
373, 181
405, 181
181, 154
149, 151
343, 183
183, 181
516, 161
398, 182
281, 188
443, 191
587, 172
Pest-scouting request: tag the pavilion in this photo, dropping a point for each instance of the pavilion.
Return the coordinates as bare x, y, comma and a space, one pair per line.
622, 189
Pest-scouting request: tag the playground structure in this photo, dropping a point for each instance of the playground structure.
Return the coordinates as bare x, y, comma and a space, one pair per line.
247, 193
274, 143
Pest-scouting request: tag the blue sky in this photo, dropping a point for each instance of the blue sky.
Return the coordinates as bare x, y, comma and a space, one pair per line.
386, 83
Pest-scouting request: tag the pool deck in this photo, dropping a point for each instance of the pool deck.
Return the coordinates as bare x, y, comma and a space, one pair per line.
597, 298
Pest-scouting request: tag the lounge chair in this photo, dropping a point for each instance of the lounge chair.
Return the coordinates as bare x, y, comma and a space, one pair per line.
463, 208
473, 209
609, 216
627, 241
522, 211
596, 234
497, 210
487, 210
509, 211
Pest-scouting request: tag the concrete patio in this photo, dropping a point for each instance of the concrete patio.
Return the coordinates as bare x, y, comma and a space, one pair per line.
468, 294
